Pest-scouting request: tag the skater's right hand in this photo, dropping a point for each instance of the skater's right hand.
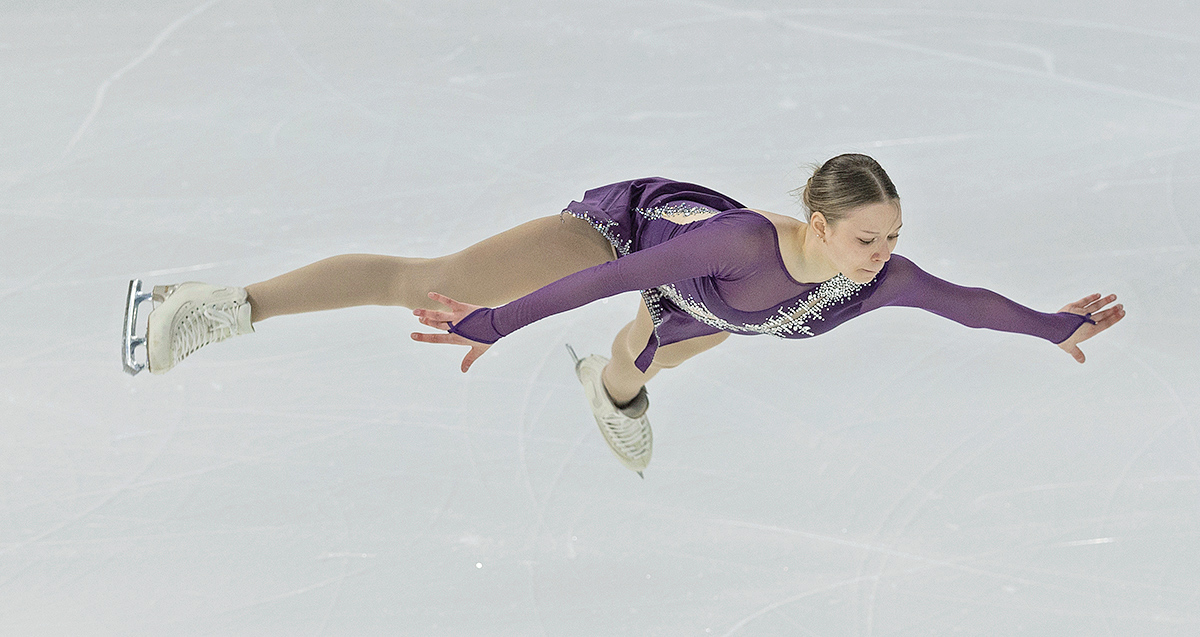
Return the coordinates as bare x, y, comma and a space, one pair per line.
1104, 318
442, 320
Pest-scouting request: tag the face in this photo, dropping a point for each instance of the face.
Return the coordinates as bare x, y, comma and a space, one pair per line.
863, 240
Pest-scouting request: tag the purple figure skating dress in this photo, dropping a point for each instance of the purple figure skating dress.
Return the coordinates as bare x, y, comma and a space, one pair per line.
726, 273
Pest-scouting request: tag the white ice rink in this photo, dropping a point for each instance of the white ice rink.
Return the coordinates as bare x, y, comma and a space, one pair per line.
902, 475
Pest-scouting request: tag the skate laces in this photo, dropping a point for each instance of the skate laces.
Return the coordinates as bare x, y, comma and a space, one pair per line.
203, 324
630, 435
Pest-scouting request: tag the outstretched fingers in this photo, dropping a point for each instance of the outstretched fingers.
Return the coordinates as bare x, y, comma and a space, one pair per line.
434, 318
449, 339
471, 357
443, 320
1075, 352
1103, 317
438, 318
1107, 318
1097, 303
1088, 304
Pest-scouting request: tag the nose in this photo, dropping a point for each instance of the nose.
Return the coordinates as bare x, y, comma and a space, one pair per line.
881, 256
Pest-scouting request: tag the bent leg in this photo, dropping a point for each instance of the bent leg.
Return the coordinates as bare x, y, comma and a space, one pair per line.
623, 379
492, 272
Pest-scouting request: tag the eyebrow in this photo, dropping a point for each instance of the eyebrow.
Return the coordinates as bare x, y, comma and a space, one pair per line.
897, 229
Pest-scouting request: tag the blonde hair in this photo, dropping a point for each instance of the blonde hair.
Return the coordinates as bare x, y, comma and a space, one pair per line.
844, 183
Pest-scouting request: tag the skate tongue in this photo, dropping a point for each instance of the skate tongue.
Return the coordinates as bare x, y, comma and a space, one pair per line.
638, 406
161, 292
243, 324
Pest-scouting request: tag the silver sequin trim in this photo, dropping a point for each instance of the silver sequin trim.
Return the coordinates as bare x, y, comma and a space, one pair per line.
682, 208
786, 321
606, 229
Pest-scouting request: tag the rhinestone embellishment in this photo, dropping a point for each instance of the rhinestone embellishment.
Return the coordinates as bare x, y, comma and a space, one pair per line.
605, 228
681, 208
787, 321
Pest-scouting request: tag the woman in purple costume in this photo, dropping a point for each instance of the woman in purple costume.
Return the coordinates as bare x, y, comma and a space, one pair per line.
706, 267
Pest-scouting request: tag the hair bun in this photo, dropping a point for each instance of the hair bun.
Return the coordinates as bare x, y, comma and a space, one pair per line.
807, 196
844, 183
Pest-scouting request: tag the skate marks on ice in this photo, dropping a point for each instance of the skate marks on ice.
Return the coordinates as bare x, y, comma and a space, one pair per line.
98, 103
1047, 73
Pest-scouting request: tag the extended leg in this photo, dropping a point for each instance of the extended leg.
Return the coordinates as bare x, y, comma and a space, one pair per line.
492, 272
623, 380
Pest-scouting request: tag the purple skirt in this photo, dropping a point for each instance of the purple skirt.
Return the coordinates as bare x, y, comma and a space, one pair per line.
629, 214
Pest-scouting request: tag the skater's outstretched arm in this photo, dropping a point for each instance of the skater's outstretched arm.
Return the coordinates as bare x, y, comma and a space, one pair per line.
908, 285
730, 246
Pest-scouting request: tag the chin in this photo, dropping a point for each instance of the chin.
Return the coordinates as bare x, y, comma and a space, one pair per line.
862, 276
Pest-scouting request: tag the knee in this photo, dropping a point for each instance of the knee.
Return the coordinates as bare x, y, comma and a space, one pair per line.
624, 347
410, 280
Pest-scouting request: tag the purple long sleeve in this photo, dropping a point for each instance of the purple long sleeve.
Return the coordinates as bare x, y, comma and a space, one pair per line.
723, 248
905, 284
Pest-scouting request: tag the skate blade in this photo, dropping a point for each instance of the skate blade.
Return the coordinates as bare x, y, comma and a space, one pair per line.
574, 357
129, 340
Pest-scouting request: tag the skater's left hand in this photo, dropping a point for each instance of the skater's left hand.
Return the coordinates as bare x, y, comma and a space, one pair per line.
1104, 318
442, 320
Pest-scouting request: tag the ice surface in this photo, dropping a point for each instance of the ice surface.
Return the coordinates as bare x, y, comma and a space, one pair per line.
902, 475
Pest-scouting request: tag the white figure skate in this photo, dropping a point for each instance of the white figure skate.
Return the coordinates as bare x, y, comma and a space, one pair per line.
188, 316
626, 430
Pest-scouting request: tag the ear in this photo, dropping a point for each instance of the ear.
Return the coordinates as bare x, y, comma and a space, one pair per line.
819, 224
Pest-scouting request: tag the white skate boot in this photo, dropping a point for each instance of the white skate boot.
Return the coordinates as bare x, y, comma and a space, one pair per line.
188, 317
626, 430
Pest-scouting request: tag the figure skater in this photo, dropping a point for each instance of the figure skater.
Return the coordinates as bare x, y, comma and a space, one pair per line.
706, 266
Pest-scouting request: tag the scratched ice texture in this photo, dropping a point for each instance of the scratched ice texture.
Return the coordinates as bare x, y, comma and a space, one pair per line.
902, 475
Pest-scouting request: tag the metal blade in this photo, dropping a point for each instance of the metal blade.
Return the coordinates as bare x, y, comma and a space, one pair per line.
129, 341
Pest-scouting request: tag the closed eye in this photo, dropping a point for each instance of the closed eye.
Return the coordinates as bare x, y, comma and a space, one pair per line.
868, 242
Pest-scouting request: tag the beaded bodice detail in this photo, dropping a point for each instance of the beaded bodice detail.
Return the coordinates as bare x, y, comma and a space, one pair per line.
788, 322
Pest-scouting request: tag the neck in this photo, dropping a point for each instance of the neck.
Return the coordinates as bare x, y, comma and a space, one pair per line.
814, 262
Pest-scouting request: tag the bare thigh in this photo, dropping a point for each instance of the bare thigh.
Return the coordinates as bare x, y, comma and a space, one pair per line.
513, 263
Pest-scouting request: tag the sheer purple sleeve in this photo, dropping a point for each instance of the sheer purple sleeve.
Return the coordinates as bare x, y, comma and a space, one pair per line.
908, 285
723, 247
